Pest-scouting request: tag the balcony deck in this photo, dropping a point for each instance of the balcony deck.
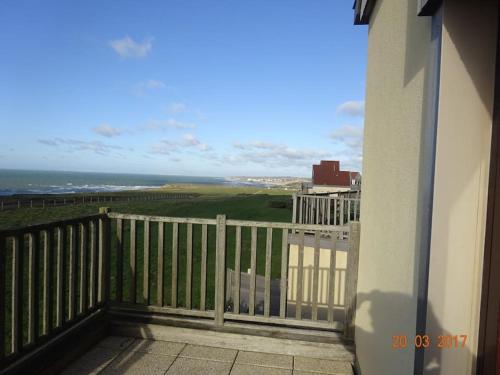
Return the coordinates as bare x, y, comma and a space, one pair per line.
189, 351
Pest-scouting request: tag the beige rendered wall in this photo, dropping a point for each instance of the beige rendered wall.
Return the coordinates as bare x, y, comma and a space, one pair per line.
398, 54
461, 180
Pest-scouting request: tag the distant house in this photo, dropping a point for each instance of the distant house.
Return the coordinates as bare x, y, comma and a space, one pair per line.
328, 178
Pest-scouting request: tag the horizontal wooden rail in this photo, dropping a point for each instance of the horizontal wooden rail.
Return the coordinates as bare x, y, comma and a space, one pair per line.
51, 225
290, 226
163, 219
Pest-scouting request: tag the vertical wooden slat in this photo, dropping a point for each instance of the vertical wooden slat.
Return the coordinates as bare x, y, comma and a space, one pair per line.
317, 239
147, 240
237, 270
61, 270
72, 273
335, 212
48, 241
331, 279
294, 209
161, 262
284, 273
220, 271
3, 292
33, 297
308, 210
17, 293
133, 260
321, 210
300, 276
203, 287
351, 279
329, 212
189, 264
119, 260
301, 209
267, 275
316, 206
341, 211
104, 248
253, 275
93, 265
83, 266
175, 250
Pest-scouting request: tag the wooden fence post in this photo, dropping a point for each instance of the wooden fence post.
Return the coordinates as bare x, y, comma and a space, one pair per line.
220, 271
351, 282
103, 262
294, 213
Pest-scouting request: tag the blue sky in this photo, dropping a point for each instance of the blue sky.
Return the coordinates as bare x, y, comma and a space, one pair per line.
207, 87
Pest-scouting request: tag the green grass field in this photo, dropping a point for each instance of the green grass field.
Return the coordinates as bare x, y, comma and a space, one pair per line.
235, 203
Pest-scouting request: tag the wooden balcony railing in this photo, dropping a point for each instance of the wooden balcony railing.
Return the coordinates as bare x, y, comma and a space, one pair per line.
324, 210
55, 277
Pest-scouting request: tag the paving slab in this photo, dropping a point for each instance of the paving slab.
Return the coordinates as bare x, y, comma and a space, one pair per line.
210, 353
156, 347
92, 362
192, 366
265, 359
323, 366
241, 369
138, 363
116, 342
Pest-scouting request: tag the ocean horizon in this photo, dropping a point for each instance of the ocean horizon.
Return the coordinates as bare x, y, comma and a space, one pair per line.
14, 181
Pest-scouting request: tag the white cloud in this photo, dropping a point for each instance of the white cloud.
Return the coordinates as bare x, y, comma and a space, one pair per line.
47, 142
274, 155
349, 138
352, 108
167, 124
107, 131
79, 145
129, 48
188, 141
175, 108
154, 84
147, 86
164, 147
351, 134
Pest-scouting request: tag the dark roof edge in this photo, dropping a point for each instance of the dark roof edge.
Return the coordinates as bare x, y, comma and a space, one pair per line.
364, 8
362, 11
428, 7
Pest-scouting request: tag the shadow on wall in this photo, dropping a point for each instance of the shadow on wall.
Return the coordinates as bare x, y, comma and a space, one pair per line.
399, 338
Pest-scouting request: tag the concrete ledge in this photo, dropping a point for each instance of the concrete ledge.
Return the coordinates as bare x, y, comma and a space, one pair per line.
329, 351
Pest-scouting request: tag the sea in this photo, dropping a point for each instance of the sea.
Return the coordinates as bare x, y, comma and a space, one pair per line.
56, 182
